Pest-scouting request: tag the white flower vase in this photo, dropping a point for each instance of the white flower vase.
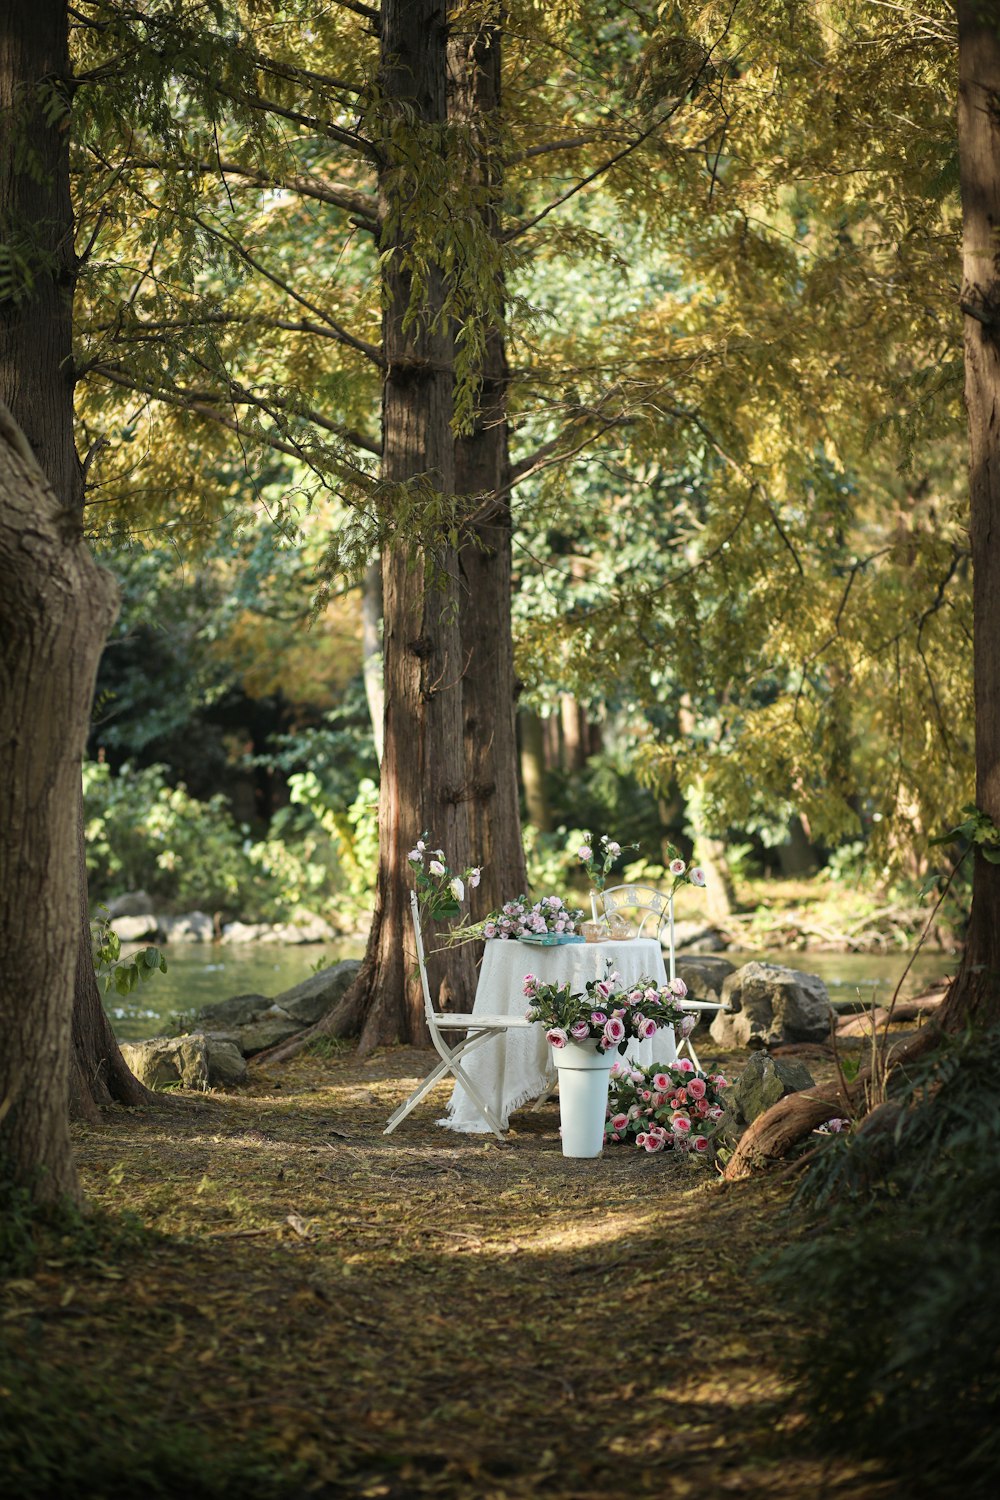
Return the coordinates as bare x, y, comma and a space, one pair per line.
584, 1073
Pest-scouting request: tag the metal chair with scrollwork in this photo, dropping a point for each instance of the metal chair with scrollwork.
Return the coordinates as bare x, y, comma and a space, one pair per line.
478, 1029
653, 904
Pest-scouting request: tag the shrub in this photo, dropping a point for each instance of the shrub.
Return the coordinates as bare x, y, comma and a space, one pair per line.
898, 1281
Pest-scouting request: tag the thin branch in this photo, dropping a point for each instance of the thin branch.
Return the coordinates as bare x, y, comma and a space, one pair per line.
199, 405
338, 195
370, 351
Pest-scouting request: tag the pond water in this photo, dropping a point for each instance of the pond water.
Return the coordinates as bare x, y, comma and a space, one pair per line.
199, 974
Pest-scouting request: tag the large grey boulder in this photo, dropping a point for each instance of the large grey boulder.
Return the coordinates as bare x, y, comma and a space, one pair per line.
767, 1004
763, 1082
246, 932
192, 1061
229, 1015
169, 1061
130, 904
704, 975
268, 1031
226, 1064
189, 927
307, 929
314, 997
139, 928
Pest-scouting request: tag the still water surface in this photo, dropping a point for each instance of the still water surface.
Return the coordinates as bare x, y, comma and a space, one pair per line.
200, 974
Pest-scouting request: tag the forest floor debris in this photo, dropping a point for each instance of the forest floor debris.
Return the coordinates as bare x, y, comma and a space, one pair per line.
420, 1314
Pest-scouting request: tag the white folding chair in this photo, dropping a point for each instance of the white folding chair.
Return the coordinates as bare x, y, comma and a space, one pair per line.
653, 903
478, 1029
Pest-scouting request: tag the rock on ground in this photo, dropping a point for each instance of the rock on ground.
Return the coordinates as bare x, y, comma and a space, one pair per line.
763, 1082
767, 1004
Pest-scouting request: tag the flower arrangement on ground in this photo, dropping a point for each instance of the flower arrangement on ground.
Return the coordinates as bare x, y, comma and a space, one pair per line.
439, 892
607, 1014
665, 1106
517, 919
597, 864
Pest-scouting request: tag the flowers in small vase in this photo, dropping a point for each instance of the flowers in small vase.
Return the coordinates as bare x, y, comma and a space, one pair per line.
439, 892
607, 1014
598, 862
517, 919
665, 1106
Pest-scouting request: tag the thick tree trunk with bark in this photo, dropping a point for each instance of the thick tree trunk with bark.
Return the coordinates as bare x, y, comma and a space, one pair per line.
56, 607
975, 995
423, 774
36, 382
482, 473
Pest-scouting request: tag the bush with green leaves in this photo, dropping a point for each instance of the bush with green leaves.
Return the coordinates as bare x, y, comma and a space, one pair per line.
144, 834
898, 1279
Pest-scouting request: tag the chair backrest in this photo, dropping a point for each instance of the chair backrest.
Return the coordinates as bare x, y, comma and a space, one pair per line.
639, 898
421, 960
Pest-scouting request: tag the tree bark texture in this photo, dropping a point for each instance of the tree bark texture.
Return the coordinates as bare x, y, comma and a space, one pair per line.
975, 995
423, 775
482, 475
56, 607
36, 382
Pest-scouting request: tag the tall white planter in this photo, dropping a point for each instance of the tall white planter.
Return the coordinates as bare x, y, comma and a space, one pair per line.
584, 1073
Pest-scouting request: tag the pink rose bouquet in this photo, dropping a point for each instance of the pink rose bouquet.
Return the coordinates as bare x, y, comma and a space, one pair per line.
607, 1014
667, 1107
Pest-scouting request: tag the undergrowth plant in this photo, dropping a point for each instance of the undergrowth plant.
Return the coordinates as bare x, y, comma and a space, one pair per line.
897, 1278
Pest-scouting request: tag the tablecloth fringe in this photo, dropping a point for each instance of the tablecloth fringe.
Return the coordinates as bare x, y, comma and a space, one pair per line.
478, 1125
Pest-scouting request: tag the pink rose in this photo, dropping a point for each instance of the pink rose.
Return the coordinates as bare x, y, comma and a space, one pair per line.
677, 867
584, 852
580, 1030
604, 989
474, 877
530, 984
661, 1082
700, 1143
556, 1037
696, 1088
652, 1143
598, 1017
614, 1032
697, 876
684, 1064
686, 1025
677, 987
680, 1124
648, 1029
641, 1138
619, 1122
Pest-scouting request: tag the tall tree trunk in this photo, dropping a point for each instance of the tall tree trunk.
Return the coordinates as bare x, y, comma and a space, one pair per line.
423, 774
56, 607
975, 994
36, 382
482, 473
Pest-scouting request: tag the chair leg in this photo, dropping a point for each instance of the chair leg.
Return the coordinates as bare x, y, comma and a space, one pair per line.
449, 1064
426, 1084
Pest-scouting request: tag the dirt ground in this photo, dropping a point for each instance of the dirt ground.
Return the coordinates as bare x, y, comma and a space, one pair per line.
430, 1313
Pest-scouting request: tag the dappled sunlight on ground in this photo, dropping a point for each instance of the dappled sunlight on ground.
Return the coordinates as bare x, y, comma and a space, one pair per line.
435, 1313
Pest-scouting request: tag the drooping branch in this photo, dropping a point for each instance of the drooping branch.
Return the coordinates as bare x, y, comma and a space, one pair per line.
200, 404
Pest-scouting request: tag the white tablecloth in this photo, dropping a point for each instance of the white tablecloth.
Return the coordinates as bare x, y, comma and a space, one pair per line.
515, 1067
